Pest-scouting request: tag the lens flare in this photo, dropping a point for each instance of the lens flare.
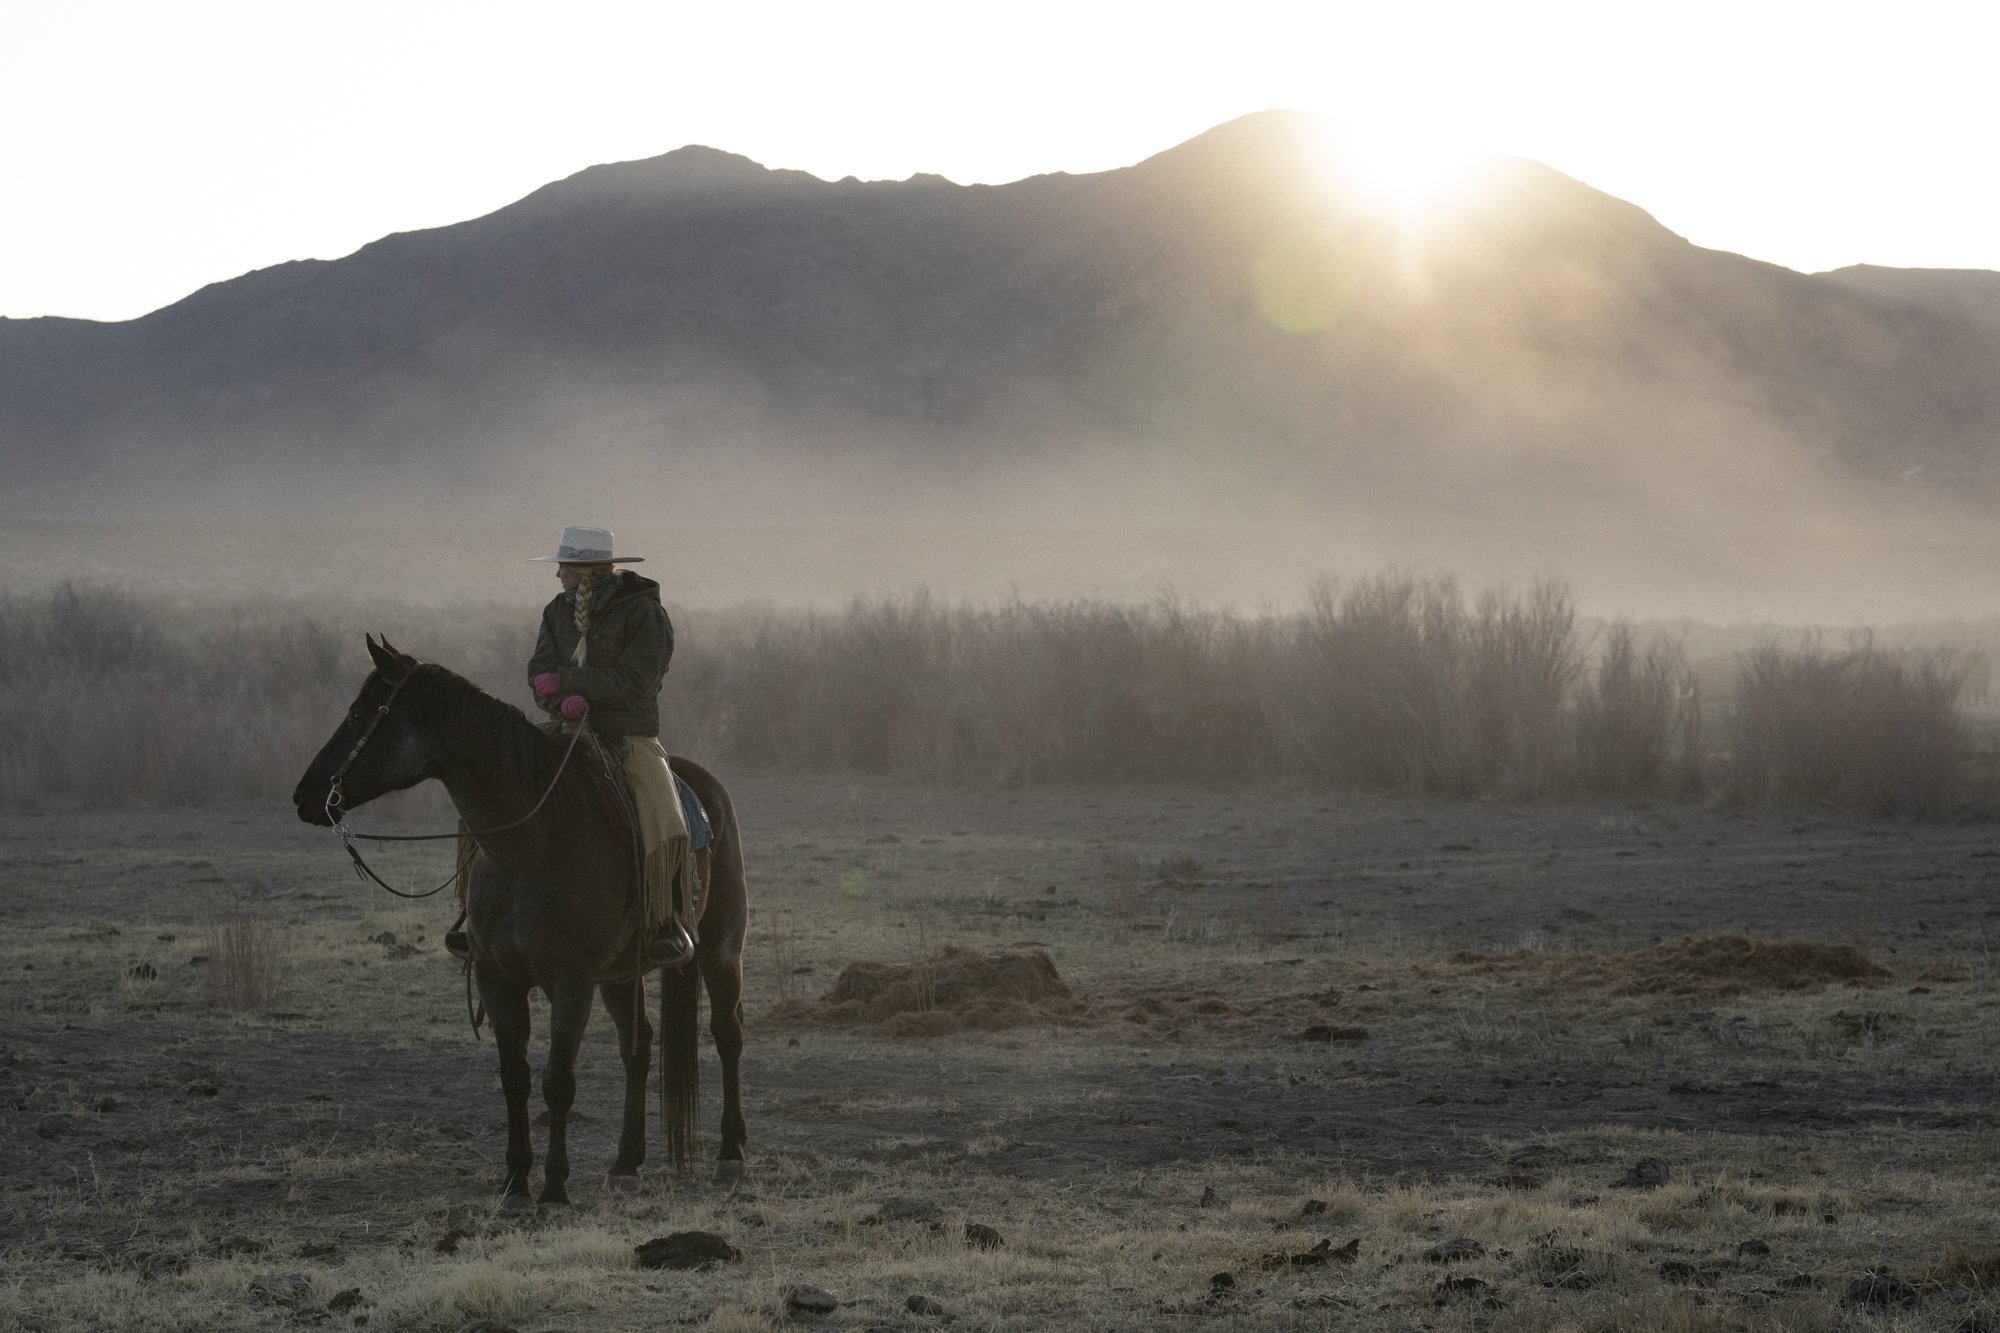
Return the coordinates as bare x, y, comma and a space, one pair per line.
1306, 278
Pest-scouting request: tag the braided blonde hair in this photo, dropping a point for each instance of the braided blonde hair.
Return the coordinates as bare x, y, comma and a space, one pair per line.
586, 586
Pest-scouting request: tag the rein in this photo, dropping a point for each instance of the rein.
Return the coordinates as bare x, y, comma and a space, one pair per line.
336, 811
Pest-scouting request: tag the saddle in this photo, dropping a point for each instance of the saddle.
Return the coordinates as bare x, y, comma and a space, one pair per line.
671, 887
612, 753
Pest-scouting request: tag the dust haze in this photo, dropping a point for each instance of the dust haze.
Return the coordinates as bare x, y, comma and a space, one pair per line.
796, 392
1732, 534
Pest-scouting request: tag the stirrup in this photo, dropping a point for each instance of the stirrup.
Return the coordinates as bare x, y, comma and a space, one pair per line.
458, 944
672, 947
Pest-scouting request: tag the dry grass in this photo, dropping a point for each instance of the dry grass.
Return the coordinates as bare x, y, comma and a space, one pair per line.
781, 956
245, 964
1710, 966
1123, 898
1123, 1254
270, 1173
1975, 1268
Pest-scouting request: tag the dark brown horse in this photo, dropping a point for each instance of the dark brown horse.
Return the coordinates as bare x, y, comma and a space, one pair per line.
554, 903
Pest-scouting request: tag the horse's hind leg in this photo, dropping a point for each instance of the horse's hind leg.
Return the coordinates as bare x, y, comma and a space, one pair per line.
569, 1014
507, 1008
627, 1002
722, 969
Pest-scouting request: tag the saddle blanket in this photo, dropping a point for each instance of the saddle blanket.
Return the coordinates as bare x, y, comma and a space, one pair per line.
699, 832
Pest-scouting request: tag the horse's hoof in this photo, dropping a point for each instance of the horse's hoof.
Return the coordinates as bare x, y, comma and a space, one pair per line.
556, 1198
517, 1203
621, 1182
729, 1172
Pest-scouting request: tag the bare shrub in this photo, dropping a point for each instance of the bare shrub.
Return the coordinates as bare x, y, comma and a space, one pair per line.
872, 666
1864, 727
244, 964
1374, 696
785, 955
1396, 683
1523, 659
97, 631
1392, 681
1077, 691
1688, 724
1631, 710
270, 650
923, 967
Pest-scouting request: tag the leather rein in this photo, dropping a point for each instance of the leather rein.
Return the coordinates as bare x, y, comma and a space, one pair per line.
337, 814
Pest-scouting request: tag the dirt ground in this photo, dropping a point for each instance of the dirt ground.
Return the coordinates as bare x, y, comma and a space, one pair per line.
1264, 989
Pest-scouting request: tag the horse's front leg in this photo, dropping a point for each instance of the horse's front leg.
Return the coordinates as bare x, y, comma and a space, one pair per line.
627, 1002
507, 1008
569, 1014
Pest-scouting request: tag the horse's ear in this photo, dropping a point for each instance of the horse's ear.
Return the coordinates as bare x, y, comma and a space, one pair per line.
405, 663
393, 665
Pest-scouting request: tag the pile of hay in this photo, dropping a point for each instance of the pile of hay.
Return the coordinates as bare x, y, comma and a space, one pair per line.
1706, 963
958, 990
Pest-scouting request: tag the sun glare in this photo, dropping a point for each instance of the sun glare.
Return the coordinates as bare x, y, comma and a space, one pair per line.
1406, 175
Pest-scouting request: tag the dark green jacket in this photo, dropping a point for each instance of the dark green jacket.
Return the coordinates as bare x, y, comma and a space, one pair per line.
631, 642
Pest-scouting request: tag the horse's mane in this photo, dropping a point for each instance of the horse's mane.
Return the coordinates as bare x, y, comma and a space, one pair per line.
508, 747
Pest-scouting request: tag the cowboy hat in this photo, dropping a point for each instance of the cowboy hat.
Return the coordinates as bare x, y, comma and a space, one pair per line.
587, 546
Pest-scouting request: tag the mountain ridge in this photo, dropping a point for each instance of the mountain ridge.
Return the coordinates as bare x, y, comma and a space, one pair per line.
699, 309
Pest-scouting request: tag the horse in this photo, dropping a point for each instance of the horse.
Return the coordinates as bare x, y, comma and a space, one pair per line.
554, 903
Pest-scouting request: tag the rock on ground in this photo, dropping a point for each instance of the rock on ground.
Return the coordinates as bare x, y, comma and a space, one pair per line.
1454, 1251
803, 1298
687, 1249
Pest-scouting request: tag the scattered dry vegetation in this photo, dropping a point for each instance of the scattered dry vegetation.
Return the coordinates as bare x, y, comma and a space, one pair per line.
1393, 682
1245, 1056
1710, 966
244, 961
1877, 730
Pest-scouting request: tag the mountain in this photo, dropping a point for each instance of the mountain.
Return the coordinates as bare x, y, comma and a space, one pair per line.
1957, 293
1224, 329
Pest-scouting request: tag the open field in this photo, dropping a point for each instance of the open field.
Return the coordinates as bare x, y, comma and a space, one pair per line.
1436, 1018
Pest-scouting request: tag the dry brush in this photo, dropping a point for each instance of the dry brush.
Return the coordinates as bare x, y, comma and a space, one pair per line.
1390, 682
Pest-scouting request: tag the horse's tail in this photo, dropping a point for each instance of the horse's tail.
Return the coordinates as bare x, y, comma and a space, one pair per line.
680, 1065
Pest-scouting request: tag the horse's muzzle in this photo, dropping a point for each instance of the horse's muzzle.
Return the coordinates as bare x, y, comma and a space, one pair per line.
311, 806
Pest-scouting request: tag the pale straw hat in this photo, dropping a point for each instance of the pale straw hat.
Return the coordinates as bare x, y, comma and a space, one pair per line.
587, 546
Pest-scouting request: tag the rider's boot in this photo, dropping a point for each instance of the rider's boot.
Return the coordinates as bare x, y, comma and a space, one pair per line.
458, 943
671, 946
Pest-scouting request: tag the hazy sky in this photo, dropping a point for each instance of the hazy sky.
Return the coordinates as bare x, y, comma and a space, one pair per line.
150, 148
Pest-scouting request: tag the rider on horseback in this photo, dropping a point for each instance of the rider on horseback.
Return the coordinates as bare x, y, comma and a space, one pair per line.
603, 651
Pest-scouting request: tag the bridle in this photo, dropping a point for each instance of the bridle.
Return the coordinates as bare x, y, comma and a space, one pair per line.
337, 799
337, 815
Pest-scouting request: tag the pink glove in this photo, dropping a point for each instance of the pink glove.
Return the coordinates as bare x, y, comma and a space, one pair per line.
547, 683
575, 707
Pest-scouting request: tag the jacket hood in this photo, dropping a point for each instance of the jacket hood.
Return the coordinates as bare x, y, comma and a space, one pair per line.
635, 585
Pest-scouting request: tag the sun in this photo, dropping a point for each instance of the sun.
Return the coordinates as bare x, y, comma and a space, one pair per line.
1403, 186
1401, 172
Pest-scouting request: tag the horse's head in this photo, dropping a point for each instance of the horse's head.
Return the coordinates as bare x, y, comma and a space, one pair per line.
375, 749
